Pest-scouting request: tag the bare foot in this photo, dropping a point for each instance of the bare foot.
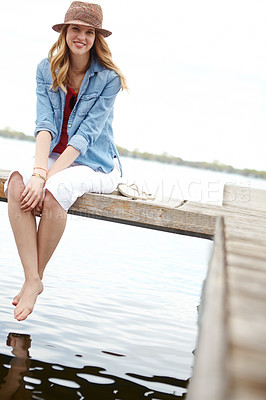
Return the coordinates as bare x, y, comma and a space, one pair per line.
29, 294
18, 297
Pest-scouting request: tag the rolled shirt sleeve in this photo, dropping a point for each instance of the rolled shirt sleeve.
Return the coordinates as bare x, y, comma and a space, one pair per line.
46, 106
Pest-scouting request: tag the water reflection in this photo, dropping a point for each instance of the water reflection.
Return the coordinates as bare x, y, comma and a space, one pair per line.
23, 378
13, 385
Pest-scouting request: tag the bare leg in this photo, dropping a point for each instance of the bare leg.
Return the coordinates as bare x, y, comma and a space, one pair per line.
24, 228
50, 230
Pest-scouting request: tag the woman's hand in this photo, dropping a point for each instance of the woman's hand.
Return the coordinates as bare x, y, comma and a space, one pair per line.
32, 196
37, 211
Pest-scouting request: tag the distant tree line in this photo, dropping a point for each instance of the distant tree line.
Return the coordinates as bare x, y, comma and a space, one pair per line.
9, 133
168, 159
162, 158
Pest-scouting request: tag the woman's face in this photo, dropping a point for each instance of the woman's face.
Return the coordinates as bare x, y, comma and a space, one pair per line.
80, 39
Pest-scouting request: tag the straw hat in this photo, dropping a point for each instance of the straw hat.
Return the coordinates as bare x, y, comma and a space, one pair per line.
80, 13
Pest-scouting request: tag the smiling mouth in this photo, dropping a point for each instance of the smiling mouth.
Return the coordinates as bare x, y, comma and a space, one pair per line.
79, 44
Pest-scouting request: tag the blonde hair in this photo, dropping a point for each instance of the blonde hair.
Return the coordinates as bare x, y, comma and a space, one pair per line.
60, 60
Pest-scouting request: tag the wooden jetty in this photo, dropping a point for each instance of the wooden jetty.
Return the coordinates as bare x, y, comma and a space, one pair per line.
230, 359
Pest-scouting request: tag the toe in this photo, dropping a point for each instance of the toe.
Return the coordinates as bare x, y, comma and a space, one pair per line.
15, 301
22, 314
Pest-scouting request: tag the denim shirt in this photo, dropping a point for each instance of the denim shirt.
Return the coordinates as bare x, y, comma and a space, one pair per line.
90, 123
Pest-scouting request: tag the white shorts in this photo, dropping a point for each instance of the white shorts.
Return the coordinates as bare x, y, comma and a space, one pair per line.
69, 184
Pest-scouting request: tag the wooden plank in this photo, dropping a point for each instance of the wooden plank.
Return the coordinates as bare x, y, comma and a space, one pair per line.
255, 239
247, 276
244, 261
245, 392
245, 198
235, 213
146, 214
248, 332
210, 379
191, 218
4, 174
247, 370
246, 248
3, 178
246, 280
165, 215
242, 371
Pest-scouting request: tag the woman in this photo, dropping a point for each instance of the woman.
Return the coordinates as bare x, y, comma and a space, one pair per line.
75, 151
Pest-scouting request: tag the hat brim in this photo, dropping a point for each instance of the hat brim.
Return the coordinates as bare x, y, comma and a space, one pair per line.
58, 27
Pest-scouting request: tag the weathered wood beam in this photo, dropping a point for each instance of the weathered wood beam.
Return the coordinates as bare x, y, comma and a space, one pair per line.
160, 215
145, 214
210, 380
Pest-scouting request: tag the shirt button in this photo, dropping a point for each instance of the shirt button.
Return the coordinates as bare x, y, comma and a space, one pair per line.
69, 125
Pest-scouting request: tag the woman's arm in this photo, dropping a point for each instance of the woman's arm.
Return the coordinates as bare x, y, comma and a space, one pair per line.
42, 149
68, 156
33, 192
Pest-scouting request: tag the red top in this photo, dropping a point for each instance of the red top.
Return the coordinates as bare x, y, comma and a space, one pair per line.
71, 98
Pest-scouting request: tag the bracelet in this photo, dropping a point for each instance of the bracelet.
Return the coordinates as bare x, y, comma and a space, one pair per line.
41, 168
39, 176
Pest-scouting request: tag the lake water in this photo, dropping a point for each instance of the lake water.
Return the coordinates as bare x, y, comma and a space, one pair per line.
118, 316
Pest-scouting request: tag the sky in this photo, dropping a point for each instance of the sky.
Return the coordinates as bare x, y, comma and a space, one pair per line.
196, 71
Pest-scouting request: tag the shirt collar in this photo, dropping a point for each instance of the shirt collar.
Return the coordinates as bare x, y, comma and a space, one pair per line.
95, 66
